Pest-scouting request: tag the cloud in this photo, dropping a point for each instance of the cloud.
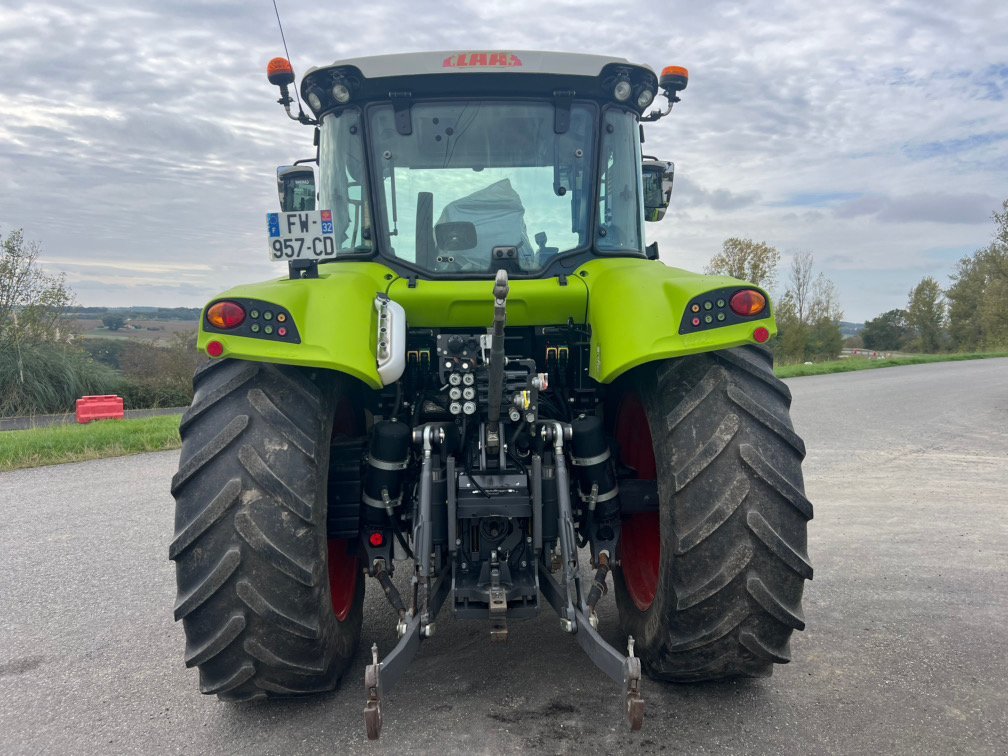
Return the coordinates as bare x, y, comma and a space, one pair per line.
818, 199
926, 207
144, 267
955, 146
690, 194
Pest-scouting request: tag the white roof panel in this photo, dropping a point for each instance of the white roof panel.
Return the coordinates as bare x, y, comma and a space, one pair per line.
480, 61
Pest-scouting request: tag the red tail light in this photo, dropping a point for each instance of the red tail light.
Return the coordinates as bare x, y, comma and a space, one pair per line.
748, 302
225, 315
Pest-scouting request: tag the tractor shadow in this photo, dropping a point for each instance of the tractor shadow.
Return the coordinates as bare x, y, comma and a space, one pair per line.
537, 692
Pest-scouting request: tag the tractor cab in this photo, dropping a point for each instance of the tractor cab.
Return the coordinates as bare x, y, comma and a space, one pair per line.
457, 165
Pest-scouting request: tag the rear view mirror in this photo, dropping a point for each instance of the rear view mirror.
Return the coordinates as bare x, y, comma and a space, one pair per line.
658, 176
455, 237
296, 186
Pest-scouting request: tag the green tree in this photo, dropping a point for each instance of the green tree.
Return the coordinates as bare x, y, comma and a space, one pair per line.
994, 306
926, 315
978, 296
792, 333
824, 340
887, 332
39, 370
808, 314
965, 297
747, 260
31, 301
1001, 229
113, 321
800, 284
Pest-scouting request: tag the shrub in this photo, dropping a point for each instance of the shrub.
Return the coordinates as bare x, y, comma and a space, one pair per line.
146, 394
156, 375
106, 351
173, 362
48, 378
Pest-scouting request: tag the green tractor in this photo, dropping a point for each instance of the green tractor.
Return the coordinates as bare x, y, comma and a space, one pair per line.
474, 369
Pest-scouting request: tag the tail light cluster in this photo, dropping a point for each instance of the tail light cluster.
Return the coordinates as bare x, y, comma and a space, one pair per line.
225, 315
747, 302
724, 307
252, 318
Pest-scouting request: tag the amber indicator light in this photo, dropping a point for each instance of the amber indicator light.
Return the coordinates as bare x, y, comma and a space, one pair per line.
675, 71
279, 71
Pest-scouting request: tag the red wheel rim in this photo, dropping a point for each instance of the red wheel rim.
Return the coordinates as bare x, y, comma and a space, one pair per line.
343, 568
640, 540
342, 578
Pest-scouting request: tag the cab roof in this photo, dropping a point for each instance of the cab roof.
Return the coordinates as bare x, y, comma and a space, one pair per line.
479, 61
472, 73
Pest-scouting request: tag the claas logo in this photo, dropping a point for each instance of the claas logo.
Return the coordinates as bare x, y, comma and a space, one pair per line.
486, 59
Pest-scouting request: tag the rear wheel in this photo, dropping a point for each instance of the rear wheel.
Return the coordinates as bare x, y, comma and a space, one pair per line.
710, 586
268, 604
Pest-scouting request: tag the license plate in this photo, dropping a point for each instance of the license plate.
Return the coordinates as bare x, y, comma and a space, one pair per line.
301, 236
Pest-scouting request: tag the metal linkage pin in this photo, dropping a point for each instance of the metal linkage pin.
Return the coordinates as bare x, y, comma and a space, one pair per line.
635, 703
372, 709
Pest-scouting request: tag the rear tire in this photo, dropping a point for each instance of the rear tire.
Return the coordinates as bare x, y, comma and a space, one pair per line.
252, 561
710, 586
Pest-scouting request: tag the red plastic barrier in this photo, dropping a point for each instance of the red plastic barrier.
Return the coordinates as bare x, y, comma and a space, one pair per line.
107, 407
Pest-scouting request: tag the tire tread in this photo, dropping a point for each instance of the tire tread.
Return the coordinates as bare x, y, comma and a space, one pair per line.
733, 519
250, 537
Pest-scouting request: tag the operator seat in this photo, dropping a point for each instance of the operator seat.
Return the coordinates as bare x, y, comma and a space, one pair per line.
498, 215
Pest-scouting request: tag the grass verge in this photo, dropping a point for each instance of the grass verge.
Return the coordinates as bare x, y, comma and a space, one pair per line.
77, 443
860, 363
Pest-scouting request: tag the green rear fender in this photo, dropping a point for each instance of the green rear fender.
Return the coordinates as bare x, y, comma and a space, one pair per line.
636, 308
334, 314
469, 304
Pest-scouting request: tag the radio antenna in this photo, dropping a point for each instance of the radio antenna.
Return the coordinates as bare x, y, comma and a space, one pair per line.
284, 40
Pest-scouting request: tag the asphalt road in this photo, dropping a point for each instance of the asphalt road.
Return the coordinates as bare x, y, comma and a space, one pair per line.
906, 649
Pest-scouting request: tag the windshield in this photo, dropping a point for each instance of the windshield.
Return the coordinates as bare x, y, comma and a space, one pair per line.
342, 181
480, 185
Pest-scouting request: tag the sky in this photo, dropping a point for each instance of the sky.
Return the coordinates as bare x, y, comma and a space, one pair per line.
139, 140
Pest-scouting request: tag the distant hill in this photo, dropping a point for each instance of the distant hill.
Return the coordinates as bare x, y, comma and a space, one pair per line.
158, 313
850, 329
